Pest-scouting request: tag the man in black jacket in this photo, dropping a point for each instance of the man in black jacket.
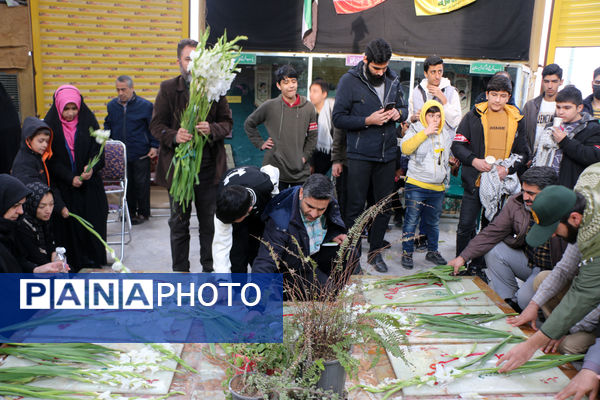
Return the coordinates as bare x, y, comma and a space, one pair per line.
493, 129
301, 222
591, 104
368, 103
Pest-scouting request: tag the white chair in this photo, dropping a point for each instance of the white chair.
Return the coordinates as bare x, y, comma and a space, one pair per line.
114, 176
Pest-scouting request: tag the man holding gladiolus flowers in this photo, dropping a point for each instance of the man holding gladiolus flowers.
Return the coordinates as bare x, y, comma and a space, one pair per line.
171, 101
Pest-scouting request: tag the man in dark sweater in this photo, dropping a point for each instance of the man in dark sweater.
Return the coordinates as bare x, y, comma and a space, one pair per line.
128, 120
368, 103
291, 122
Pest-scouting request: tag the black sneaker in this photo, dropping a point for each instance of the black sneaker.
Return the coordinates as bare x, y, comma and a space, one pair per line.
436, 258
407, 261
421, 244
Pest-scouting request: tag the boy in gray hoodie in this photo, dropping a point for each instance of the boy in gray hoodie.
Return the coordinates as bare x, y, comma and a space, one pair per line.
427, 142
291, 122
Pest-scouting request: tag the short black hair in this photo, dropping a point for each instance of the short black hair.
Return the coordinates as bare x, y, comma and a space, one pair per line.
579, 207
322, 83
378, 51
552, 69
126, 79
318, 187
570, 94
540, 177
185, 43
432, 110
596, 73
233, 202
432, 60
285, 71
499, 83
41, 131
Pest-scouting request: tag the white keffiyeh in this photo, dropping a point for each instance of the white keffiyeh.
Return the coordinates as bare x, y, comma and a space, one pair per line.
491, 188
325, 140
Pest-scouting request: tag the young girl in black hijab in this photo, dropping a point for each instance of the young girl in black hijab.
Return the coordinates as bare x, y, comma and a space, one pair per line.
34, 234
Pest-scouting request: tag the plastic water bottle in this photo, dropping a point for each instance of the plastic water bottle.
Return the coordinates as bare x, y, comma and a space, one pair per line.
62, 256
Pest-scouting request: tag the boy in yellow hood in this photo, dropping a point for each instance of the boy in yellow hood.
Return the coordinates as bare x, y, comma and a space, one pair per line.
427, 142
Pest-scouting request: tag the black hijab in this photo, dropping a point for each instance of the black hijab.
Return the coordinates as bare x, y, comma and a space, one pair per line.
11, 191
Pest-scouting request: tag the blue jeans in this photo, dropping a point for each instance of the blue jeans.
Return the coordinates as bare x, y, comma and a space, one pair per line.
426, 204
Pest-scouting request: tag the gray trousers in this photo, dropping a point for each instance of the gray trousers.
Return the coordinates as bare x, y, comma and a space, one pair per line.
504, 265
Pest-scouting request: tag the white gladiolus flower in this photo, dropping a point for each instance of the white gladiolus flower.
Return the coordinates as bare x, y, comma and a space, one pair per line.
101, 135
444, 374
119, 267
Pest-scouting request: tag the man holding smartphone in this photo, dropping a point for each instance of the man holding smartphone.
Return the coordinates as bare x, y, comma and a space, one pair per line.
368, 103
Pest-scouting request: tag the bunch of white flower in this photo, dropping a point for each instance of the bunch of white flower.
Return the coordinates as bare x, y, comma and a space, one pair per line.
101, 135
213, 70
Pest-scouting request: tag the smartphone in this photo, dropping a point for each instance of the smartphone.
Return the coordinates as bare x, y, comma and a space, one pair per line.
389, 106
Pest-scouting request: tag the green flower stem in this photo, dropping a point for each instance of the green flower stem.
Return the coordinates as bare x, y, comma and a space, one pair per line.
484, 357
435, 299
92, 163
8, 389
172, 355
440, 272
90, 228
535, 365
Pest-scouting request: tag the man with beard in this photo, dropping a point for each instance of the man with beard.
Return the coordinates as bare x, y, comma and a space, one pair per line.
502, 243
591, 104
171, 101
574, 216
368, 103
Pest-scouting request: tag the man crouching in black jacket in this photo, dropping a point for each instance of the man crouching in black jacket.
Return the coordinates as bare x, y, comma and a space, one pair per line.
301, 222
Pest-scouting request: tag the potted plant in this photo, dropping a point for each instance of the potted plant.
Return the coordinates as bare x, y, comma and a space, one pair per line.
265, 371
325, 321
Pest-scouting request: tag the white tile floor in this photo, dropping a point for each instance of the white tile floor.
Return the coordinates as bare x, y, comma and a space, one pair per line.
149, 249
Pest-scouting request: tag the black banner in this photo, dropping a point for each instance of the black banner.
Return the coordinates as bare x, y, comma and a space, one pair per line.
496, 29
